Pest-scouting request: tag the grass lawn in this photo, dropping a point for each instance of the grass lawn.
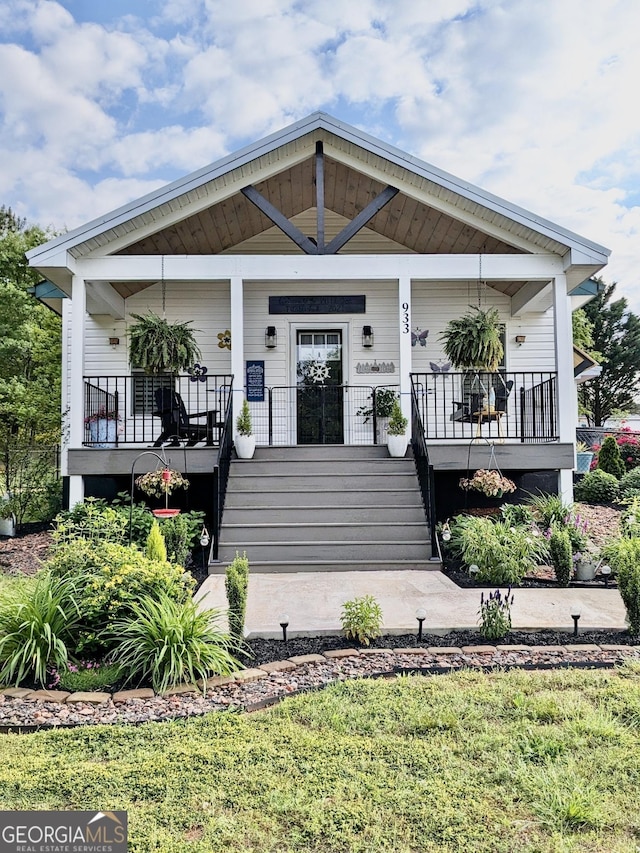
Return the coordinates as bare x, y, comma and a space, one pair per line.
536, 762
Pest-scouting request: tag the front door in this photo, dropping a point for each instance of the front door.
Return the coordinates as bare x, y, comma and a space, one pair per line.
319, 401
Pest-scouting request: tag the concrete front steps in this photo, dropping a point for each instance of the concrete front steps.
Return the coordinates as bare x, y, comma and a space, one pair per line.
324, 508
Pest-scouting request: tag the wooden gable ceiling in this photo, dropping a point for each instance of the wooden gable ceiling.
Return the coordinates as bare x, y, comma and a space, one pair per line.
234, 220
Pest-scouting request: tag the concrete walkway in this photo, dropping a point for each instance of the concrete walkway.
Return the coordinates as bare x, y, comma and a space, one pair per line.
313, 602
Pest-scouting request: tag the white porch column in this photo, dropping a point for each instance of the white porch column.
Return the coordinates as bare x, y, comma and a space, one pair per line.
76, 380
567, 399
404, 328
237, 343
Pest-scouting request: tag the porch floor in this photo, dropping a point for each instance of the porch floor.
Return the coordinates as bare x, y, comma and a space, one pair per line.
313, 603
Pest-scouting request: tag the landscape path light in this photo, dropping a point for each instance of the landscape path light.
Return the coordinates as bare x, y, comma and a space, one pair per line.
284, 624
421, 615
575, 615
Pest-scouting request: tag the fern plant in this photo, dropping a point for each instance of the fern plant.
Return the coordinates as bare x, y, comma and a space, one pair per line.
474, 340
157, 346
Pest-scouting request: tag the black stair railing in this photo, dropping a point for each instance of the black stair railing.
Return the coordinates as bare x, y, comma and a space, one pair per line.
221, 470
424, 469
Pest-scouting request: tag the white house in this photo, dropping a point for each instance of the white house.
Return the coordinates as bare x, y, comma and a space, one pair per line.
321, 258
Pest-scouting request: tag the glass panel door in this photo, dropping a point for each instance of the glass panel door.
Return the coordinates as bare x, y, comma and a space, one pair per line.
319, 399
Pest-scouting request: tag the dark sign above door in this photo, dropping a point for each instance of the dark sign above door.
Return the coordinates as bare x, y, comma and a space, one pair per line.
317, 304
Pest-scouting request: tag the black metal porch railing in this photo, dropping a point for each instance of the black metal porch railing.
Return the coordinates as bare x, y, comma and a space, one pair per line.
321, 414
424, 469
538, 411
519, 406
130, 405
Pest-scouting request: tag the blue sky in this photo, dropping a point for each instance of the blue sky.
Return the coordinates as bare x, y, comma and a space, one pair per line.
102, 101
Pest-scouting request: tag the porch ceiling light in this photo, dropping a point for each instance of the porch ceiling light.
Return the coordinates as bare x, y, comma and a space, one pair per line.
270, 337
367, 337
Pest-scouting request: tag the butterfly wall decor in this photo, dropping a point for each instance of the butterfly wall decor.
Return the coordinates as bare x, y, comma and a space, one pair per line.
440, 368
419, 336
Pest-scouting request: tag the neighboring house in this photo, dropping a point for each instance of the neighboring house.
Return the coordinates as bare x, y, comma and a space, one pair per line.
321, 256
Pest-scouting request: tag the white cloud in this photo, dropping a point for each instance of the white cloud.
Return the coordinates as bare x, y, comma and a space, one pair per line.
531, 101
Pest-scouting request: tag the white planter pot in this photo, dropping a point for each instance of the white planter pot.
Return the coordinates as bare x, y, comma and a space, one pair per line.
103, 432
397, 445
8, 526
245, 446
586, 569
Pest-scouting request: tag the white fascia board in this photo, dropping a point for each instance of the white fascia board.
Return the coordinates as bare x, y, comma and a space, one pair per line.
300, 267
316, 122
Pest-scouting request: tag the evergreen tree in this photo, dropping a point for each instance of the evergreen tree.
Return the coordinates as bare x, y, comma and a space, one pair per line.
616, 338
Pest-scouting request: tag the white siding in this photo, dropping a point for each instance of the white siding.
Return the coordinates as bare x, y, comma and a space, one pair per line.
205, 305
435, 303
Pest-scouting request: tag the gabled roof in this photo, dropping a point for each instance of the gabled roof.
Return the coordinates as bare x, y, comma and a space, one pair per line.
265, 158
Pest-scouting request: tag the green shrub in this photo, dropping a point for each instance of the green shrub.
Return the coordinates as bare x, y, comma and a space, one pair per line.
362, 619
623, 555
98, 520
561, 554
181, 533
166, 642
110, 578
86, 676
630, 517
596, 487
38, 617
610, 459
629, 484
517, 514
549, 509
503, 553
495, 614
156, 549
94, 520
236, 583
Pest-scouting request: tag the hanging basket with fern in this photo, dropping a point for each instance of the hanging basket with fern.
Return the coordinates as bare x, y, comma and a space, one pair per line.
157, 346
473, 341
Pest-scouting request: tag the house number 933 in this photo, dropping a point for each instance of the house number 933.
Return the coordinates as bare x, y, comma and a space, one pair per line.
405, 318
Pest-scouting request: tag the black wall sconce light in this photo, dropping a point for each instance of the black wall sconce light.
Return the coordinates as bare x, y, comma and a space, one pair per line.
114, 342
270, 337
520, 339
367, 337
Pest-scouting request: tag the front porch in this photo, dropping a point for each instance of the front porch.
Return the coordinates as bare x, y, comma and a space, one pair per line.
455, 410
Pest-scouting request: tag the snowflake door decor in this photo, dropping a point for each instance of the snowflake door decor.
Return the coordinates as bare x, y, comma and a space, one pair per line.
317, 371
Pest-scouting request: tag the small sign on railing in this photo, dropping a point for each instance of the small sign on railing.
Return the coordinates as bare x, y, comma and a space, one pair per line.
255, 381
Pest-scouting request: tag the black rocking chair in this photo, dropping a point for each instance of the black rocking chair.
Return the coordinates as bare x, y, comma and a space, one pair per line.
177, 425
475, 411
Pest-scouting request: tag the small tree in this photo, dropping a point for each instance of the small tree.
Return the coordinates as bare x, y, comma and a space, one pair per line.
236, 583
610, 458
243, 421
156, 548
561, 555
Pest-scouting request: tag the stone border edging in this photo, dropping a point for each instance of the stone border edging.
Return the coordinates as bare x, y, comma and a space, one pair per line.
24, 710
